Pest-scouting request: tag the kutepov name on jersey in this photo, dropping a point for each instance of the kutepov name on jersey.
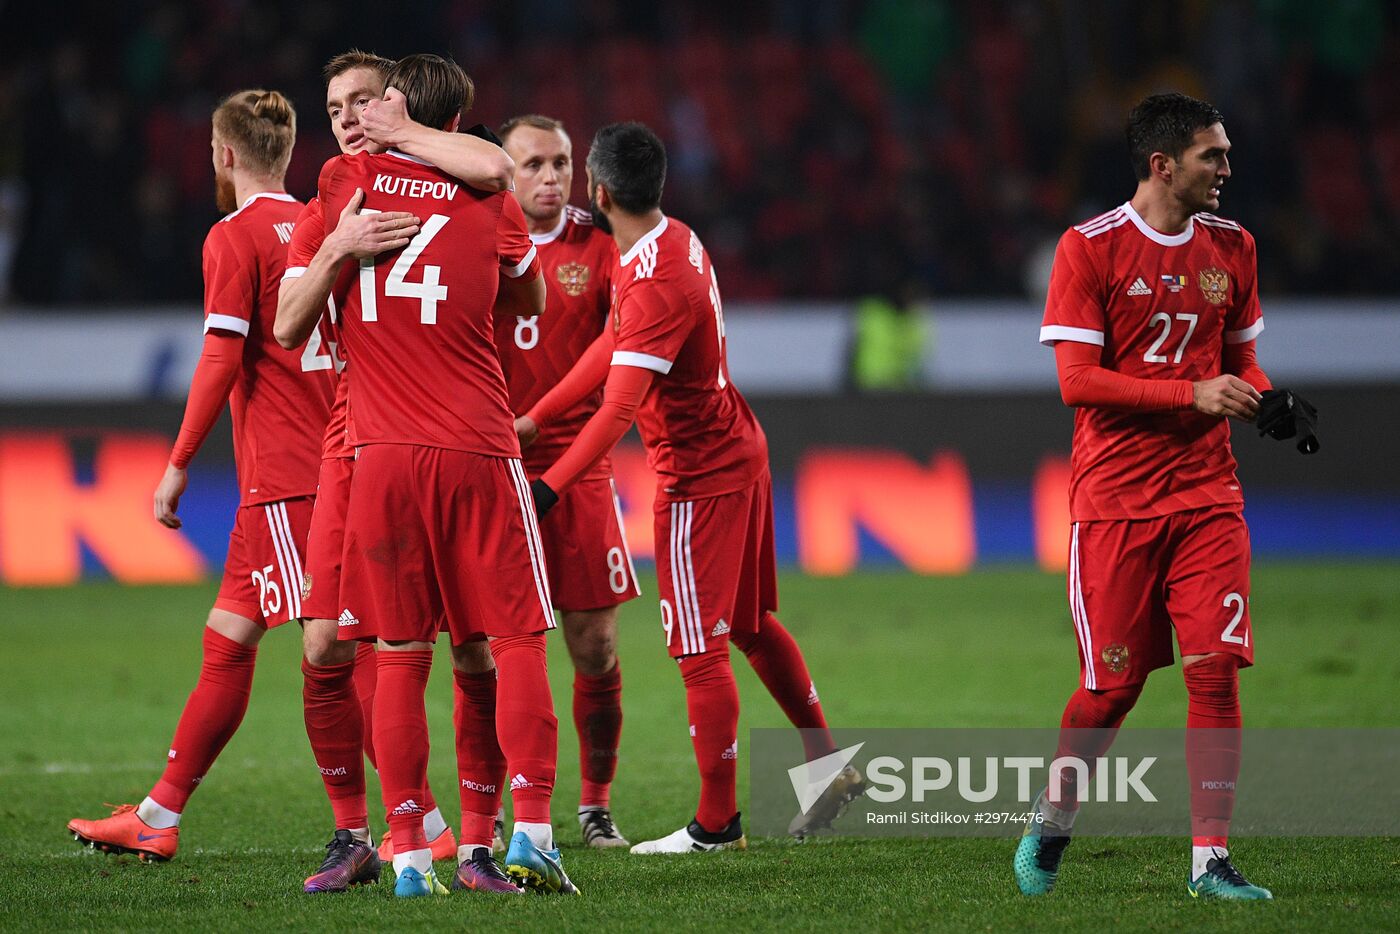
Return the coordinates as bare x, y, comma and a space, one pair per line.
415, 187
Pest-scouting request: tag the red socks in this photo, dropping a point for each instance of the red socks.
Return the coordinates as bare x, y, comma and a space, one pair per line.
525, 724
712, 702
1087, 728
481, 766
366, 677
598, 719
1212, 745
210, 718
335, 726
401, 735
778, 662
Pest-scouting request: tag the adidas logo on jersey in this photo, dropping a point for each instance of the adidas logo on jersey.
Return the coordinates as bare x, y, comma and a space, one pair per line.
812, 698
721, 629
408, 807
1139, 287
732, 752
519, 782
348, 619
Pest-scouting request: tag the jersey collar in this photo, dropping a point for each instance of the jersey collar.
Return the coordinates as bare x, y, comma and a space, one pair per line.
647, 238
405, 156
274, 195
550, 236
1156, 236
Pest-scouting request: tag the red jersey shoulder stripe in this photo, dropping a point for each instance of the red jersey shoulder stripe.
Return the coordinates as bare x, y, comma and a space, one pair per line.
578, 215
1210, 220
1102, 222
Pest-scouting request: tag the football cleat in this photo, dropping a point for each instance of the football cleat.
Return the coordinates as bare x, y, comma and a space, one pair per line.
1038, 855
414, 884
696, 839
599, 830
1222, 880
444, 846
482, 873
848, 785
124, 832
348, 862
537, 870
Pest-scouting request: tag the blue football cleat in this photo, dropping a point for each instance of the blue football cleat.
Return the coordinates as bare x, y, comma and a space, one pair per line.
537, 870
1038, 855
414, 884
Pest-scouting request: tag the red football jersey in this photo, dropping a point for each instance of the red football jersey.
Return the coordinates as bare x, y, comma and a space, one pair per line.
1162, 307
306, 240
282, 398
418, 325
701, 438
577, 261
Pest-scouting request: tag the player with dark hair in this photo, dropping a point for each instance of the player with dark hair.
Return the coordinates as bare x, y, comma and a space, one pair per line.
440, 522
662, 361
590, 566
1153, 312
318, 279
281, 401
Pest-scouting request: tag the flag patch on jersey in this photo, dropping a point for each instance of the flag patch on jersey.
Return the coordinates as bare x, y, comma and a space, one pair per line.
1174, 283
1139, 287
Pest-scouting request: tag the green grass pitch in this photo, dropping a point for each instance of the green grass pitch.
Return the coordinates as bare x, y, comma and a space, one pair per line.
93, 678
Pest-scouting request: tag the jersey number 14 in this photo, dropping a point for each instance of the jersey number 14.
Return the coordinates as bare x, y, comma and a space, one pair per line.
428, 291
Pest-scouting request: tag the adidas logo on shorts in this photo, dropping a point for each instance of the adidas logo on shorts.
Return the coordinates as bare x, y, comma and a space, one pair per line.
1139, 287
408, 807
519, 782
348, 619
721, 629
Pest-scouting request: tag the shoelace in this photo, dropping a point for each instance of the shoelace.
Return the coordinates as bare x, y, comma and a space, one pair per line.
487, 865
1049, 853
600, 822
1226, 871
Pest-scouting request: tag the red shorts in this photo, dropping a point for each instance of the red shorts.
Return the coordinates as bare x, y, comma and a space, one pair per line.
434, 533
1131, 581
263, 576
325, 544
715, 566
585, 549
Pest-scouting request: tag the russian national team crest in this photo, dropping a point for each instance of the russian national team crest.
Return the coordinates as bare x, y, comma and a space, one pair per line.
573, 278
306, 585
1215, 285
1115, 657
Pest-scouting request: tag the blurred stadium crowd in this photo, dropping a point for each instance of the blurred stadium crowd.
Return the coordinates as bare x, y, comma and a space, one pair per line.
823, 148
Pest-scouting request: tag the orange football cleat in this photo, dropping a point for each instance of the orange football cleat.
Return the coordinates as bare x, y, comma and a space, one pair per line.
124, 832
444, 846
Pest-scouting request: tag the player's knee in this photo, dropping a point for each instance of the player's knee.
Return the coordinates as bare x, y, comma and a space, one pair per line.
1216, 674
239, 629
473, 657
705, 668
591, 636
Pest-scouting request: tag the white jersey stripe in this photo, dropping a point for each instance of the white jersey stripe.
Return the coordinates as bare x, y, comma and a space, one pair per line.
527, 517
1102, 218
1051, 333
1091, 681
295, 556
696, 618
520, 268
682, 608
643, 361
226, 323
1105, 228
1074, 603
622, 532
279, 548
1247, 334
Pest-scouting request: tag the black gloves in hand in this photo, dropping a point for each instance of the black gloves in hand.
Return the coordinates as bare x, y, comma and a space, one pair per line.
1284, 414
484, 131
544, 497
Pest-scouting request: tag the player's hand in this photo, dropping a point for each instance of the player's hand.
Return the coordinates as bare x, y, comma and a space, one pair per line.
386, 121
365, 236
168, 493
1226, 395
526, 430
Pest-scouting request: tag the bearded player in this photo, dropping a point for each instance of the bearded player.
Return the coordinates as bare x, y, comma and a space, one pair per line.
440, 522
318, 279
590, 566
1153, 312
281, 401
663, 363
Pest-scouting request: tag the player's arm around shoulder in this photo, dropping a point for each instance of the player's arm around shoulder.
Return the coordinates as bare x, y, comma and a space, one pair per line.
480, 163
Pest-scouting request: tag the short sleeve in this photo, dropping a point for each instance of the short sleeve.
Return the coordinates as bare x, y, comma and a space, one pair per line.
1074, 307
654, 324
1245, 320
513, 244
307, 236
230, 280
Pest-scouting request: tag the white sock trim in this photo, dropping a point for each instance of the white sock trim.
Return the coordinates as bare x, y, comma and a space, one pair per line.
1200, 855
157, 817
541, 835
433, 824
421, 860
